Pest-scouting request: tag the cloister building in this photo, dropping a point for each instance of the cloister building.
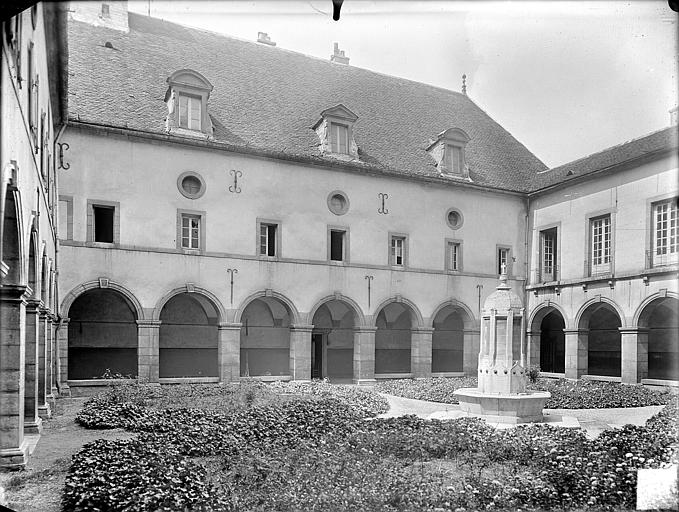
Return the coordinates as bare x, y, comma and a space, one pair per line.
231, 210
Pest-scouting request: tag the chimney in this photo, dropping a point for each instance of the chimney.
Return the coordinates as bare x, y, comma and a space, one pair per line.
673, 117
338, 56
109, 14
263, 37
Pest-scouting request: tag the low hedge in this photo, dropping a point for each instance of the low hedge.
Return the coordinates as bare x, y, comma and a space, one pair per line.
566, 394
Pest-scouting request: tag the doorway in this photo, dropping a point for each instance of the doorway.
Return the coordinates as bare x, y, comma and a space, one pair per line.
317, 355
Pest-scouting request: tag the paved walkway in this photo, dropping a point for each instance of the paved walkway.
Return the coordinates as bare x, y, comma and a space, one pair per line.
593, 421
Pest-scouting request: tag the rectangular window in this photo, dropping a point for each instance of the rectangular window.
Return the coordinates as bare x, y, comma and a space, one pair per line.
190, 112
105, 11
454, 161
103, 217
398, 248
548, 252
267, 239
337, 245
600, 245
665, 233
339, 138
454, 256
190, 235
503, 261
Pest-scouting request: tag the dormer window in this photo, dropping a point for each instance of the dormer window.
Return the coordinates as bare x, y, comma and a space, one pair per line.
186, 99
448, 150
335, 131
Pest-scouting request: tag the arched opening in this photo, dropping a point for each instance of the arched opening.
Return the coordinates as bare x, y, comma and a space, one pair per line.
661, 318
393, 339
32, 276
447, 345
11, 242
265, 338
102, 335
332, 342
188, 337
552, 343
603, 341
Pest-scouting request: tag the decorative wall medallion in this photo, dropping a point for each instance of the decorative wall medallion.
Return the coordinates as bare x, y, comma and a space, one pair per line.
235, 189
383, 209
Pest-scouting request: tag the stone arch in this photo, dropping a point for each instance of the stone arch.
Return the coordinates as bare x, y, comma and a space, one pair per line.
188, 344
102, 334
268, 293
13, 248
600, 322
216, 303
471, 322
449, 322
45, 275
265, 336
658, 321
33, 262
90, 285
581, 317
542, 310
417, 318
358, 313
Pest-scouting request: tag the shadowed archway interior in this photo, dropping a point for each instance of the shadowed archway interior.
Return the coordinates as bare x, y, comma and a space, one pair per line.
552, 343
334, 325
265, 338
604, 350
102, 335
188, 337
393, 339
661, 318
448, 341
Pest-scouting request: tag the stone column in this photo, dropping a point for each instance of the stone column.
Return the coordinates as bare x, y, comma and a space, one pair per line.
50, 389
32, 422
300, 352
229, 352
634, 354
44, 410
420, 352
54, 357
148, 336
533, 347
62, 357
13, 445
470, 352
576, 352
364, 355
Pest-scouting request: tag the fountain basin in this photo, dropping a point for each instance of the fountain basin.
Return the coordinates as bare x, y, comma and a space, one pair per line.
503, 408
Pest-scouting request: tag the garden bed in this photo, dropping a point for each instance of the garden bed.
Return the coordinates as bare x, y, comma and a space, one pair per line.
566, 394
316, 450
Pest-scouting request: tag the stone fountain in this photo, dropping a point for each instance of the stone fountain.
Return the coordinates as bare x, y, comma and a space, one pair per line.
501, 395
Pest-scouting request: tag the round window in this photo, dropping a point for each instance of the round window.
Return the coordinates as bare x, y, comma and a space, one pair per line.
191, 185
454, 218
338, 202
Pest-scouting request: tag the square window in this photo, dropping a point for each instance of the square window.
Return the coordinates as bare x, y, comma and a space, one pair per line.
337, 245
339, 138
267, 239
190, 112
397, 256
453, 256
103, 218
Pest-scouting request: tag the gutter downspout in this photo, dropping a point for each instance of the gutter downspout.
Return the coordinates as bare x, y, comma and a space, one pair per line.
55, 219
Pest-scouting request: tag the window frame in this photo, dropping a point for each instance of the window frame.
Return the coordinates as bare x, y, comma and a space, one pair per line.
345, 244
588, 263
69, 217
653, 260
202, 217
392, 257
540, 273
191, 99
508, 248
335, 145
450, 243
278, 239
115, 205
447, 166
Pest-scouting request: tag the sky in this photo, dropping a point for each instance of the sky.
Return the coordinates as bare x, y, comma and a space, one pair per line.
567, 79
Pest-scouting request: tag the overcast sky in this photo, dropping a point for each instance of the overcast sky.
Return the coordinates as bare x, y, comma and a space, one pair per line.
567, 79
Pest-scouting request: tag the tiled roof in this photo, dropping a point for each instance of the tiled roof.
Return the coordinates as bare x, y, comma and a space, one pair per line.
268, 99
659, 141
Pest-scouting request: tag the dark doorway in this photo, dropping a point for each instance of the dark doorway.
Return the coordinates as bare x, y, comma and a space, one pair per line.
317, 356
552, 344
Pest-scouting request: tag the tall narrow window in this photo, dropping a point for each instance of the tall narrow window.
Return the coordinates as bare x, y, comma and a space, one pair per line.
454, 256
397, 255
105, 11
337, 245
267, 239
339, 138
600, 243
103, 223
503, 262
190, 232
665, 233
189, 112
454, 162
548, 255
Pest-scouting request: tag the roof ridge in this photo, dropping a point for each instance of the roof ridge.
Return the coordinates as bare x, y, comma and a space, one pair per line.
294, 52
610, 148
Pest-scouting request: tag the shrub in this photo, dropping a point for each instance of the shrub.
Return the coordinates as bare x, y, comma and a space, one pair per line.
533, 373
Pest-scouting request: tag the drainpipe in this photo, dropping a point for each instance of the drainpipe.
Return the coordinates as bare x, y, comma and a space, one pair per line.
55, 223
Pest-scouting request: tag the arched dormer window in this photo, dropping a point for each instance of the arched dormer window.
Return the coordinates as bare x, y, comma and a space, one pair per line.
335, 129
448, 152
186, 98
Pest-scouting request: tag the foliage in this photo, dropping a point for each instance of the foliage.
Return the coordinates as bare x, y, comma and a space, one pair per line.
533, 373
566, 394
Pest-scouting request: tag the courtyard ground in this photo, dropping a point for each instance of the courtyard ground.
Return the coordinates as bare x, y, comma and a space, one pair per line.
39, 487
